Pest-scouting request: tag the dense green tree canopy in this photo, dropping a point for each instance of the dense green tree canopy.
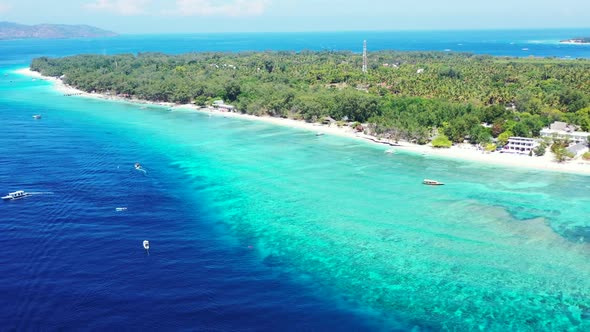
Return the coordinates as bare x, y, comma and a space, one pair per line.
405, 95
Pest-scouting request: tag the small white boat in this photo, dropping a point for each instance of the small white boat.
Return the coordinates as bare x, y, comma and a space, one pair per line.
119, 209
432, 182
139, 168
37, 116
390, 151
319, 134
146, 244
15, 195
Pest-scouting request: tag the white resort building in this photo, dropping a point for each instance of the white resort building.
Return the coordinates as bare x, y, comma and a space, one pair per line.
564, 131
520, 145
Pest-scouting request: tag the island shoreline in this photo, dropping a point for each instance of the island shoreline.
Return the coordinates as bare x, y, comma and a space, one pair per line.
461, 152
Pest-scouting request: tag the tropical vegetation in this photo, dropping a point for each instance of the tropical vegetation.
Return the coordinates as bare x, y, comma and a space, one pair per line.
560, 151
441, 141
413, 96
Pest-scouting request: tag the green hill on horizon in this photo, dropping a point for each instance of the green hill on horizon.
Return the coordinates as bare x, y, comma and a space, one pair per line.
10, 30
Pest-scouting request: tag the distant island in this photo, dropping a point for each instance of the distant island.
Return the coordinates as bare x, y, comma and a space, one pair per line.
9, 30
579, 40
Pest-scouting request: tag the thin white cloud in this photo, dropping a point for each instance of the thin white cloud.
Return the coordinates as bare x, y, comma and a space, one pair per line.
4, 7
220, 7
120, 7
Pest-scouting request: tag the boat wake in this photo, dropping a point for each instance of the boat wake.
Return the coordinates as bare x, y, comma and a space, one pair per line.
140, 168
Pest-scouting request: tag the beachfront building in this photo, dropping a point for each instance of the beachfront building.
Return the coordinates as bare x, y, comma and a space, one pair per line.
578, 149
564, 131
222, 106
520, 145
328, 120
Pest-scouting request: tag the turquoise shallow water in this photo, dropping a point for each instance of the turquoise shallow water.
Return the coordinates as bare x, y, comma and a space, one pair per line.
495, 249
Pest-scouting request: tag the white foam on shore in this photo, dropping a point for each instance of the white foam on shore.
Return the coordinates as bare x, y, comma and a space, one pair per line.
463, 152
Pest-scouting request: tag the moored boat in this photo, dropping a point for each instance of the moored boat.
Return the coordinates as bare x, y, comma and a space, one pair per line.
432, 182
15, 195
37, 116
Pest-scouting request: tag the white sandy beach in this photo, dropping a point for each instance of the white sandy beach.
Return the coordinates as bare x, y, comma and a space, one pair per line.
459, 152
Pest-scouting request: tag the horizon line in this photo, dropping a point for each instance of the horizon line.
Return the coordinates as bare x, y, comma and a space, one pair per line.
359, 30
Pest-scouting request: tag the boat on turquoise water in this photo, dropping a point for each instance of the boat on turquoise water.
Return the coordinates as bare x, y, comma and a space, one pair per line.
432, 182
37, 116
15, 195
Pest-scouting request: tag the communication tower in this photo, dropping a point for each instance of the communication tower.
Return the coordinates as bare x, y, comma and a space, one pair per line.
364, 56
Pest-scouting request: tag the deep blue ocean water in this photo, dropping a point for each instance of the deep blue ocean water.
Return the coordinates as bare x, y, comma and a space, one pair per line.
262, 228
72, 262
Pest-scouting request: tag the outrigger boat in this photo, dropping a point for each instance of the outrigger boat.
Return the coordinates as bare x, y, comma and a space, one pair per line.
432, 182
15, 195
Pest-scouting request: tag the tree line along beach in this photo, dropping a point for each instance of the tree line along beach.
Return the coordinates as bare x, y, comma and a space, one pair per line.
407, 98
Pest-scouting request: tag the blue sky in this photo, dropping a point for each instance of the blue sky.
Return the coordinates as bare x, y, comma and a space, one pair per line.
170, 16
